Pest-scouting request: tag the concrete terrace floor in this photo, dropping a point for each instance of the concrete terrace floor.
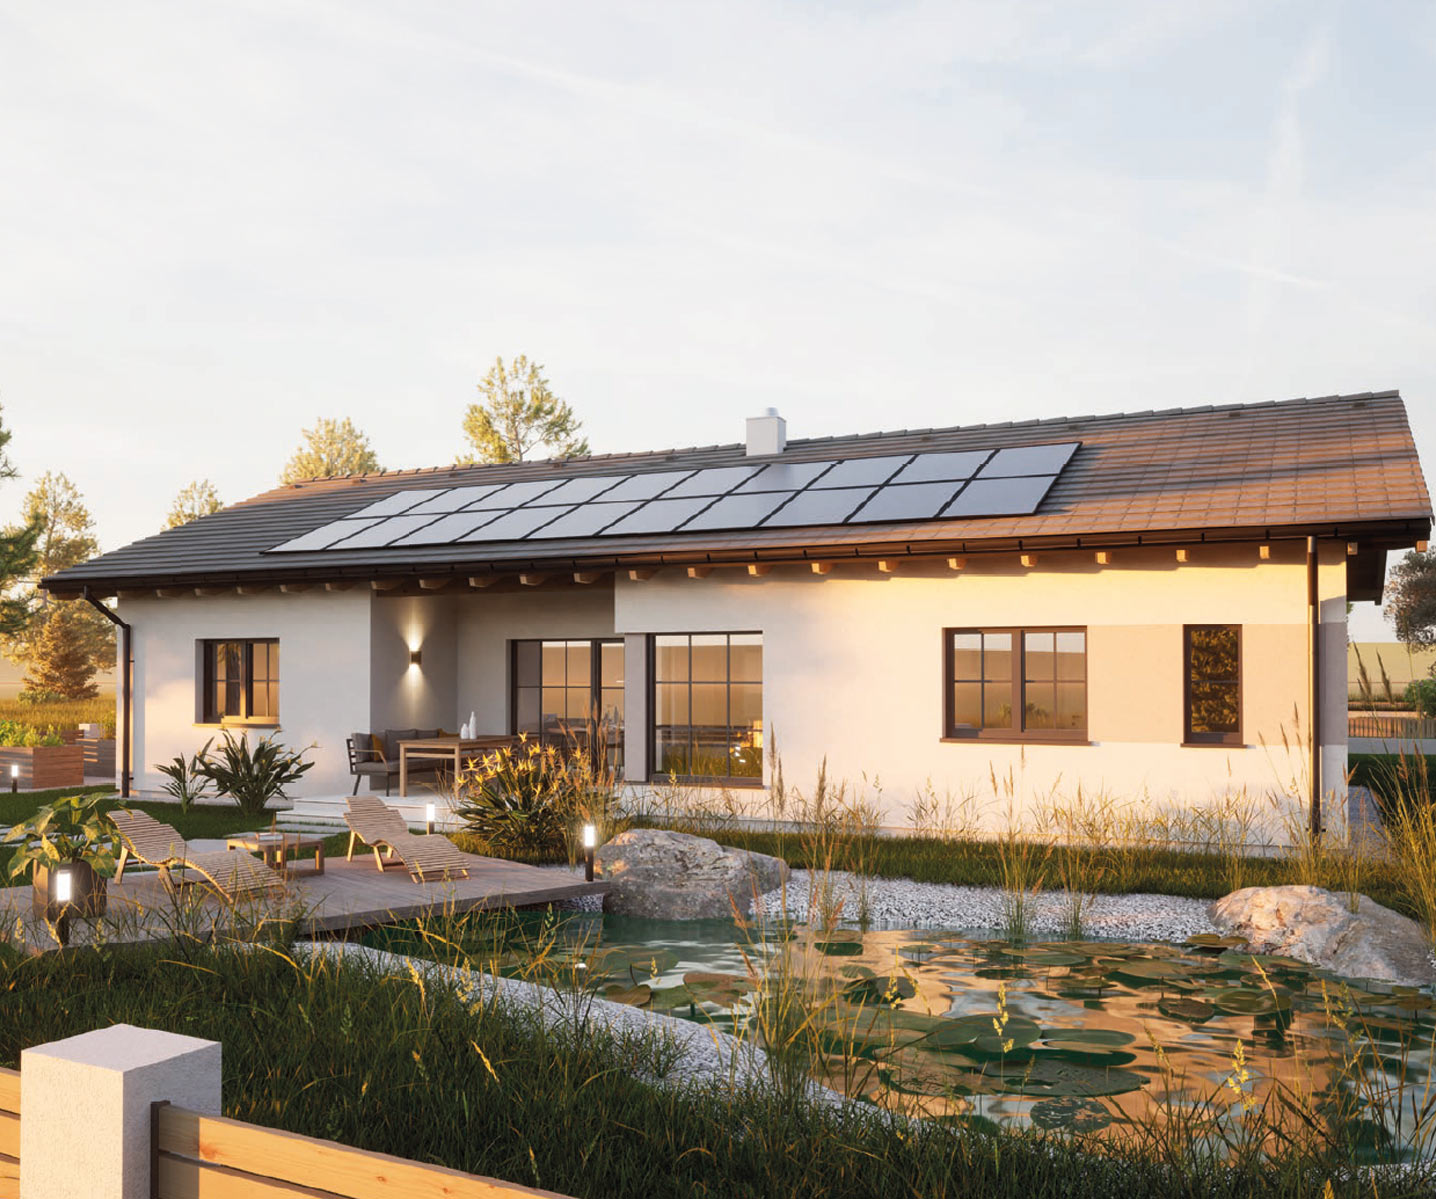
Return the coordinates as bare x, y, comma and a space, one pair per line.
347, 896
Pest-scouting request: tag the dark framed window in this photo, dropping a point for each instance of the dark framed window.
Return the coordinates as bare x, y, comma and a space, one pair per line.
1012, 684
240, 681
707, 722
570, 694
1212, 667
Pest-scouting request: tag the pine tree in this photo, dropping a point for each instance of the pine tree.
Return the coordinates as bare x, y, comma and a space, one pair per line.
59, 662
62, 534
520, 413
193, 501
330, 448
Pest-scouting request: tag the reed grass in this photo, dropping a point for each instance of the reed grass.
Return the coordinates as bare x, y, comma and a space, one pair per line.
451, 1075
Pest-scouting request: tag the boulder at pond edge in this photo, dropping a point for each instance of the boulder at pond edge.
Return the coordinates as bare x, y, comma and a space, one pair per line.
1319, 927
665, 875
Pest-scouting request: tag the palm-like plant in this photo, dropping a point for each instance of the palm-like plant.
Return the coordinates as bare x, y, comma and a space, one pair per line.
252, 777
76, 828
187, 781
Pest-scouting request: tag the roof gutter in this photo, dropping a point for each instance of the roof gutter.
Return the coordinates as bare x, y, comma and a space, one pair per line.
126, 686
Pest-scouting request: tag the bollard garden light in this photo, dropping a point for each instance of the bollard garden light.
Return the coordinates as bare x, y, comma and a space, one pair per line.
430, 815
590, 843
14, 777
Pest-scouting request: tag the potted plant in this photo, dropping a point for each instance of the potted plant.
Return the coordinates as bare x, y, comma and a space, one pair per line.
69, 846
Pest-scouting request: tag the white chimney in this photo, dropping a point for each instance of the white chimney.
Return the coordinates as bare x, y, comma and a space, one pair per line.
767, 434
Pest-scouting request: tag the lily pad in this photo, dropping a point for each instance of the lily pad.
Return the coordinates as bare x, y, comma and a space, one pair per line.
1064, 1080
1251, 1001
1182, 1007
633, 996
1070, 1115
1107, 1037
1213, 942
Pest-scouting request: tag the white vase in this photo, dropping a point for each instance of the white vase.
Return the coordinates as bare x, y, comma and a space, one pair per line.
473, 725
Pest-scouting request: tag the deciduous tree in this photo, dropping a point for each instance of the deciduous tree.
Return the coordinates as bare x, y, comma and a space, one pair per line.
1410, 599
193, 501
519, 414
330, 448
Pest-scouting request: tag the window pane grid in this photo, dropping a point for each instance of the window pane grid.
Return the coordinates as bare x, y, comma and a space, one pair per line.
1012, 683
569, 694
708, 705
241, 680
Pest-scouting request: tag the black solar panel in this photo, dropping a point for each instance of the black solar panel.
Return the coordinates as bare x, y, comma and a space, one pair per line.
891, 488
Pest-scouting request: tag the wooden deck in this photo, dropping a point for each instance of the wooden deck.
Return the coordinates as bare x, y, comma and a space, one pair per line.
347, 896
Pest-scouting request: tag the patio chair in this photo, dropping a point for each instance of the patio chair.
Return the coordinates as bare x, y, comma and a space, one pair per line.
380, 827
231, 872
377, 757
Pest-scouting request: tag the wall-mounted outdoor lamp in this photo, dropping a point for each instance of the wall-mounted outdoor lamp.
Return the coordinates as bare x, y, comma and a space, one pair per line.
14, 777
590, 843
416, 657
430, 815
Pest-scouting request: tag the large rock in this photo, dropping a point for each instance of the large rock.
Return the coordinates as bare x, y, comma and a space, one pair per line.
674, 876
1317, 926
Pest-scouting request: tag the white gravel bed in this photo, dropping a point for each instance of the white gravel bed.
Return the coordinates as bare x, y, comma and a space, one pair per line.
902, 903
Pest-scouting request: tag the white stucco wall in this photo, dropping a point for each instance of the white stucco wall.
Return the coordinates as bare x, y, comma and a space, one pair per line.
324, 640
853, 668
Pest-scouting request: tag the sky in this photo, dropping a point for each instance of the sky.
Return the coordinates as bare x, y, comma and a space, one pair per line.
221, 222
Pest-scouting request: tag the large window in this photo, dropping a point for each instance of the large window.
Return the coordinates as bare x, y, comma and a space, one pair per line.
240, 681
1213, 668
708, 706
570, 694
1017, 684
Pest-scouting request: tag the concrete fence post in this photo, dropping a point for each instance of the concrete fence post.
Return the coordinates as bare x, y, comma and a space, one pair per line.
85, 1101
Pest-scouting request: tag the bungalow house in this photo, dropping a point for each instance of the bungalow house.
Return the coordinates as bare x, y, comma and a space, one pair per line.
1150, 603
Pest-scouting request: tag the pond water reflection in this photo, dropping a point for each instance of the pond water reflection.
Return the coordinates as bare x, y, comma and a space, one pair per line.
1081, 1036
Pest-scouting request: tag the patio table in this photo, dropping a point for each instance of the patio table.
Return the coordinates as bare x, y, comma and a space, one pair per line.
445, 749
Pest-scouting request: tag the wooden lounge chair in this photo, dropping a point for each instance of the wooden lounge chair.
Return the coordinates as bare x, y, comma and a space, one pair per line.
231, 872
379, 826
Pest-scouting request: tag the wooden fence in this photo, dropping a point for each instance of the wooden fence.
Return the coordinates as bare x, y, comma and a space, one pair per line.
9, 1134
1390, 726
210, 1157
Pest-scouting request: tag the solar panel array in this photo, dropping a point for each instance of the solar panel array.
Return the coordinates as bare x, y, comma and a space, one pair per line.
847, 491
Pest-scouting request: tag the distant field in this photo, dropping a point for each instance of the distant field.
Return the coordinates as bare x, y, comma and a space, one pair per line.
67, 714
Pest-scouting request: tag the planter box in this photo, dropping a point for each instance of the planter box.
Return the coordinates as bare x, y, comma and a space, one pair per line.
43, 766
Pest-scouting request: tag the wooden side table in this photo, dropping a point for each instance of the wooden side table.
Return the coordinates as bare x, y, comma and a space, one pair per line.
279, 852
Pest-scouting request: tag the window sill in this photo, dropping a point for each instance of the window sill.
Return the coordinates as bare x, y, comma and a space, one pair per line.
1032, 740
1214, 745
236, 724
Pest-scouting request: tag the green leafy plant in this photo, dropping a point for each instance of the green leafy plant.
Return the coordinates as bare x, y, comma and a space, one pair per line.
18, 733
187, 780
75, 828
252, 777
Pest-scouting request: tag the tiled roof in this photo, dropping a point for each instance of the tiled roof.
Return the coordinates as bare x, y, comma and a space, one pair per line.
1339, 465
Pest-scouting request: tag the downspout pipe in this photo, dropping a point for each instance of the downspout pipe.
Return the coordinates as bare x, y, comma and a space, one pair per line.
126, 685
1313, 686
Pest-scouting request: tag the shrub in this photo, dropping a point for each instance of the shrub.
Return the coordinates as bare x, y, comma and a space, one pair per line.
1421, 695
252, 777
530, 801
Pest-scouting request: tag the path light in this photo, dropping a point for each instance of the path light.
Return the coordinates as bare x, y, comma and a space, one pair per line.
14, 777
590, 843
430, 815
62, 885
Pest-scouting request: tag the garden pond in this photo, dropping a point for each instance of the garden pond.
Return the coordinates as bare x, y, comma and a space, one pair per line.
1079, 1036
